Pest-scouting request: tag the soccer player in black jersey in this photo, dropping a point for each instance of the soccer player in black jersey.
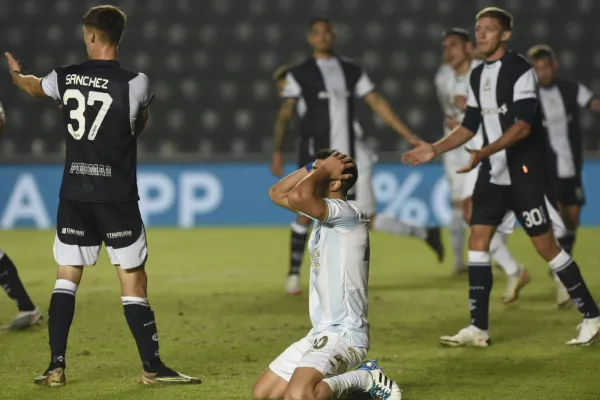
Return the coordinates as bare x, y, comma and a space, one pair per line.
561, 100
503, 100
105, 107
321, 92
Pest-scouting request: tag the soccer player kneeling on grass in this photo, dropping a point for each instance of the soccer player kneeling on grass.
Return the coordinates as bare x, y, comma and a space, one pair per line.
316, 366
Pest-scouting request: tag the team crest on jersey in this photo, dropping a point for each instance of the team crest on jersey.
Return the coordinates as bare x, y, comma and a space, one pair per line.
487, 86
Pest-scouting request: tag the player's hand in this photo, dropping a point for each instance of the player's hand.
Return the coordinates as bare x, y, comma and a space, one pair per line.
422, 153
277, 164
460, 102
335, 165
473, 161
13, 65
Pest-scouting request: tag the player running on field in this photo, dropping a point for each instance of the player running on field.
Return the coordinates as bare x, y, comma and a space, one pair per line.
105, 107
503, 100
316, 367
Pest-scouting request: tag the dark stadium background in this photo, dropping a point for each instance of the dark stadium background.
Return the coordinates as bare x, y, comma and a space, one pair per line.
210, 62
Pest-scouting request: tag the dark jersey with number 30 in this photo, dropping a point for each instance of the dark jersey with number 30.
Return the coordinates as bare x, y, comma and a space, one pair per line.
100, 103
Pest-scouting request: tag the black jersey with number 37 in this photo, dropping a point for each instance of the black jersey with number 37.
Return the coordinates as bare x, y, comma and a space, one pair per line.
100, 103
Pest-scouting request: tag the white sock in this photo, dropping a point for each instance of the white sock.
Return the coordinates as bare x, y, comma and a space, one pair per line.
355, 380
457, 235
385, 223
499, 252
65, 286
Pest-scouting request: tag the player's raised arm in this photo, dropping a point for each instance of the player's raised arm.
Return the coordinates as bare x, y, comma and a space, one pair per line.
27, 83
587, 99
307, 198
291, 91
279, 192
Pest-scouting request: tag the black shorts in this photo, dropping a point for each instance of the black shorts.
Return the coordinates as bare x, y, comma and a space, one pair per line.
569, 191
82, 227
528, 201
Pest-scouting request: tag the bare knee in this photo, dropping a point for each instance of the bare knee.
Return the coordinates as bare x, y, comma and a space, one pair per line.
480, 237
134, 282
261, 392
71, 273
298, 393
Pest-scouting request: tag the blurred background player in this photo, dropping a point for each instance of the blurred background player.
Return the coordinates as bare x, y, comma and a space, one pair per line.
561, 100
327, 119
28, 314
453, 88
317, 366
105, 108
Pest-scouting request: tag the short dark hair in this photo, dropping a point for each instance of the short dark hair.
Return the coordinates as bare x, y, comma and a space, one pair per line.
317, 20
110, 20
502, 16
281, 72
541, 51
348, 183
460, 32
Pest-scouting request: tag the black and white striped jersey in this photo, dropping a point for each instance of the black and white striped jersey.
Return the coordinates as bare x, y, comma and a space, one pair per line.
500, 93
326, 89
100, 103
561, 103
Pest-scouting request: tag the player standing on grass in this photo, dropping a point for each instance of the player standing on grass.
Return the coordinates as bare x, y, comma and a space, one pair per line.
452, 89
316, 366
104, 108
561, 100
503, 100
322, 91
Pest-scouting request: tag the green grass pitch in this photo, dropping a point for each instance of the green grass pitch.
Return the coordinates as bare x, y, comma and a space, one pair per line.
222, 315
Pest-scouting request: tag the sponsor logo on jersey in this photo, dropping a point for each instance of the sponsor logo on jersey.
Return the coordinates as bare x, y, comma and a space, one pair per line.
493, 111
70, 231
487, 86
117, 235
90, 169
324, 94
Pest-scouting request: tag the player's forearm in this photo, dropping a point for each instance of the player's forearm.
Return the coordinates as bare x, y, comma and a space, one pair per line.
281, 189
595, 105
28, 83
383, 109
459, 136
281, 127
304, 196
517, 132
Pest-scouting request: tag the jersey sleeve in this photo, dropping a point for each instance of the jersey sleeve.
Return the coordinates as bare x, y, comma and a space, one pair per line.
525, 96
584, 96
472, 119
292, 88
50, 85
140, 91
364, 86
341, 215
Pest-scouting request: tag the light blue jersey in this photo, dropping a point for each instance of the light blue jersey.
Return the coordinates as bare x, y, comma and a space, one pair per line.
339, 273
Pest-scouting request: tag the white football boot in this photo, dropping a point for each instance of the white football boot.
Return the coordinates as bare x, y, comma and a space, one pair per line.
24, 320
292, 286
469, 336
588, 332
514, 284
380, 386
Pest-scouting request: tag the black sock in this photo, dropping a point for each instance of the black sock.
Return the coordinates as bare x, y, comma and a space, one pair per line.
298, 243
567, 242
142, 324
12, 285
480, 287
60, 316
569, 274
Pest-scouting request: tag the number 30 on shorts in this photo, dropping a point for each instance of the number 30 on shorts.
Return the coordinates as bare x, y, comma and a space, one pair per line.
534, 217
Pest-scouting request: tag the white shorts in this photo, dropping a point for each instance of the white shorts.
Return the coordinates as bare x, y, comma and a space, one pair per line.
328, 353
365, 198
453, 161
468, 183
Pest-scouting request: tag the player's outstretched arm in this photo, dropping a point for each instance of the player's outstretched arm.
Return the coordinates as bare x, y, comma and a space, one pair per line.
517, 132
425, 152
28, 83
382, 108
278, 193
304, 197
